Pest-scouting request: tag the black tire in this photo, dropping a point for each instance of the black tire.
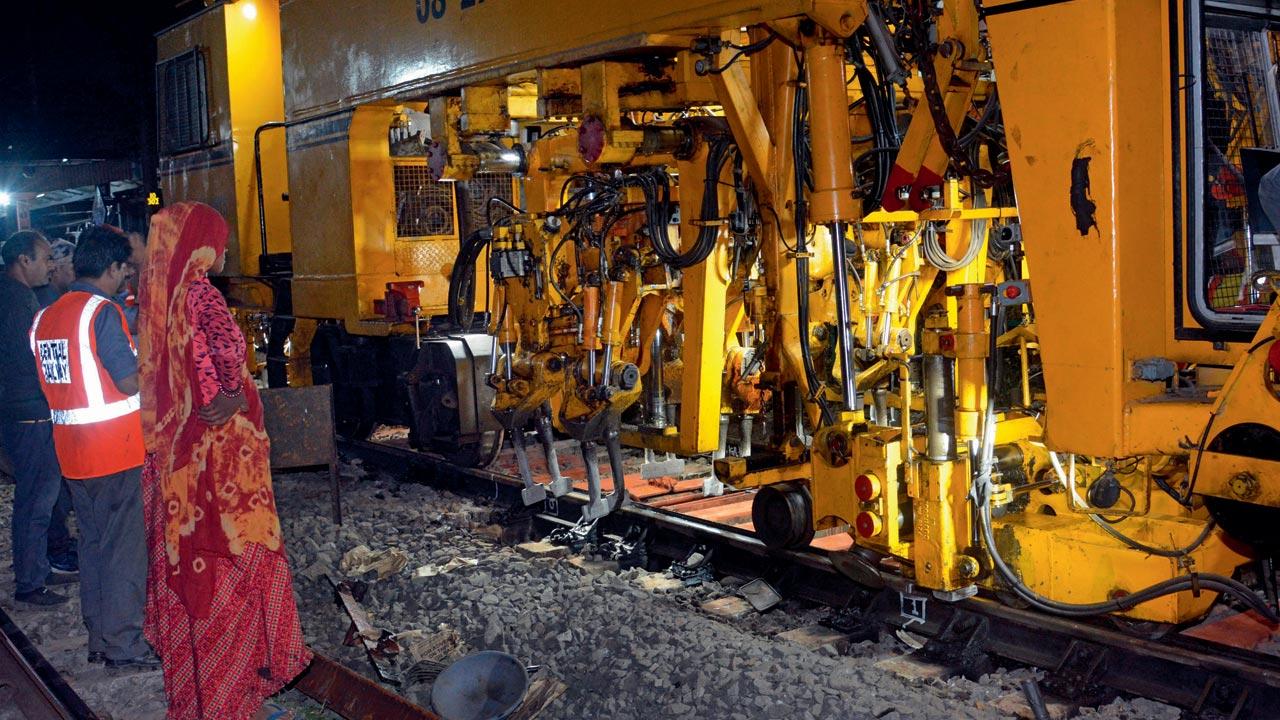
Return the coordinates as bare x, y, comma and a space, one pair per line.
783, 516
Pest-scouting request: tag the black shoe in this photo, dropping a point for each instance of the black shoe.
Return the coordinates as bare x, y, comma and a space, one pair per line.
65, 563
44, 597
57, 577
146, 661
96, 657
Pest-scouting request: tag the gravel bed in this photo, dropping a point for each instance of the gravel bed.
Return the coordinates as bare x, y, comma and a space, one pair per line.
626, 644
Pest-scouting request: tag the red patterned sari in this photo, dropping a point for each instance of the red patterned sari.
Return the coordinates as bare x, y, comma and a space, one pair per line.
220, 608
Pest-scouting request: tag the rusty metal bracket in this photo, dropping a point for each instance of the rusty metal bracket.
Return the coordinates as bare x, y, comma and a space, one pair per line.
354, 697
379, 644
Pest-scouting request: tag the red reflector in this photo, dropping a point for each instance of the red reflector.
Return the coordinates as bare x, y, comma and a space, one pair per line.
867, 524
866, 488
1012, 292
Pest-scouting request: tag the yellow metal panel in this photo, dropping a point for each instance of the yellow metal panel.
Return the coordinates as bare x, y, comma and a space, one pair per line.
256, 94
406, 48
706, 287
1049, 552
373, 202
320, 214
205, 174
1099, 287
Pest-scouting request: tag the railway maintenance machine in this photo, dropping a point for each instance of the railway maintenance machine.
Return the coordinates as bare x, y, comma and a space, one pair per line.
987, 285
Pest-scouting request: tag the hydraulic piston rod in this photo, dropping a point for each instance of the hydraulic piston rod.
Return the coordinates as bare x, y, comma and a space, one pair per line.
847, 372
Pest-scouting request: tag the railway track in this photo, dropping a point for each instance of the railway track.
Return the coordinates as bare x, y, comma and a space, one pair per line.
32, 689
30, 685
1210, 670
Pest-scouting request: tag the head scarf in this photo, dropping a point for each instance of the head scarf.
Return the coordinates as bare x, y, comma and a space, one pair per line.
214, 482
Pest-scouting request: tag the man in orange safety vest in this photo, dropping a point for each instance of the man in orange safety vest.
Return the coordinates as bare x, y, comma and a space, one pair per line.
88, 370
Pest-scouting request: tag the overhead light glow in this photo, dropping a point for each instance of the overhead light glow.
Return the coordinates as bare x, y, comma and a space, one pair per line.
249, 10
5, 199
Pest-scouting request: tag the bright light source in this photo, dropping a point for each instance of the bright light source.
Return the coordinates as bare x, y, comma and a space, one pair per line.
5, 199
248, 10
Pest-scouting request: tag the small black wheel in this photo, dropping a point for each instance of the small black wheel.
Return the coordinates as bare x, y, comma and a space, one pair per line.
783, 516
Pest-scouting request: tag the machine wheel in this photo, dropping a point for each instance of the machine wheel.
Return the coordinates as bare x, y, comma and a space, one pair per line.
1252, 524
783, 516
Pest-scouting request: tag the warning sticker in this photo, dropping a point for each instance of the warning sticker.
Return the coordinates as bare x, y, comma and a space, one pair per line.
54, 362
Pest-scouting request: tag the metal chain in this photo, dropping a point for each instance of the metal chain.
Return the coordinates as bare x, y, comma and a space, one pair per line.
963, 164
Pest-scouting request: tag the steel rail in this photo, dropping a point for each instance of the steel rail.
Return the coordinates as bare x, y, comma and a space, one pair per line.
1198, 675
29, 683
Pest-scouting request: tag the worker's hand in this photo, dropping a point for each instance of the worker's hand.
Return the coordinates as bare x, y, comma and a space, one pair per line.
222, 408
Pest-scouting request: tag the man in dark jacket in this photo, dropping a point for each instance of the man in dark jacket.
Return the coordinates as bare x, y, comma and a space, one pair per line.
25, 421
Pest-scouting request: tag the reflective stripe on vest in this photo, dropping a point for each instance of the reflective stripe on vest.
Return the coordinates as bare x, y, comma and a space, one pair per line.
101, 413
96, 409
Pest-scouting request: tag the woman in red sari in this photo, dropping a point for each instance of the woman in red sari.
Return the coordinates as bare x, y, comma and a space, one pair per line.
220, 608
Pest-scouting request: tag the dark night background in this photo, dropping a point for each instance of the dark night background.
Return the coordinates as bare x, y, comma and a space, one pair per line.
77, 79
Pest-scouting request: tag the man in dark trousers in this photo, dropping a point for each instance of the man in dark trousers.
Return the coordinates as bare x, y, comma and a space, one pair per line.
88, 368
25, 423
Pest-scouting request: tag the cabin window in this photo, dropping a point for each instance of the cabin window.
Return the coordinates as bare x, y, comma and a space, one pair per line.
1235, 116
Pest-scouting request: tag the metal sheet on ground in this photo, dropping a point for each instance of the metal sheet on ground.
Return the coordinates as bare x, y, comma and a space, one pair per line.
354, 697
299, 422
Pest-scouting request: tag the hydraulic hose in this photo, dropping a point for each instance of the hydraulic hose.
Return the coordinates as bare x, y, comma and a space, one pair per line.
462, 279
1161, 552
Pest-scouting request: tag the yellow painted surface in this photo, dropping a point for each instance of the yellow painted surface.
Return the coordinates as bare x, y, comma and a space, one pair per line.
256, 93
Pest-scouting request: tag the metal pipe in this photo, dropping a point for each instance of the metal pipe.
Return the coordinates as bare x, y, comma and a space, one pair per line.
745, 425
722, 448
939, 408
657, 396
841, 275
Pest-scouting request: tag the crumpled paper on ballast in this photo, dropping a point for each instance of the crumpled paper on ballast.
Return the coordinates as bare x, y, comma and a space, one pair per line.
432, 570
360, 559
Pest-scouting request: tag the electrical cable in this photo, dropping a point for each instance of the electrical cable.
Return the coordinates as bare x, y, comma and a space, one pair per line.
746, 50
495, 200
656, 186
937, 256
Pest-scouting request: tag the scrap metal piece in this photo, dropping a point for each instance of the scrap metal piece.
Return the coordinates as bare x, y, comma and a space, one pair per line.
575, 537
346, 693
760, 594
378, 643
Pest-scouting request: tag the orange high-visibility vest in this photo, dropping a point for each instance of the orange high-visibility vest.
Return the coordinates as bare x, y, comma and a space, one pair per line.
97, 430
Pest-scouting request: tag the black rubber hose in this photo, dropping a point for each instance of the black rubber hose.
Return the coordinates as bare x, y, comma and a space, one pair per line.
462, 279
